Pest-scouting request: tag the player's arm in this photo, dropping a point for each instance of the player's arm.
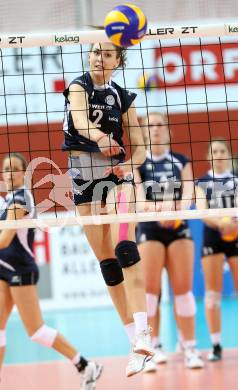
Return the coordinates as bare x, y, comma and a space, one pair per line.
142, 204
201, 204
137, 146
188, 187
135, 136
78, 98
14, 212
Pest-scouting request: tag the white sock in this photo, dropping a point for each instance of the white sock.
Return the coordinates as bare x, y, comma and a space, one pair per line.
141, 321
216, 338
155, 341
130, 331
76, 359
189, 343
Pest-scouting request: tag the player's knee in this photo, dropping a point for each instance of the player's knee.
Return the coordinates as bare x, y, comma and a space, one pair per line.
185, 304
3, 339
212, 299
152, 304
127, 253
111, 272
45, 336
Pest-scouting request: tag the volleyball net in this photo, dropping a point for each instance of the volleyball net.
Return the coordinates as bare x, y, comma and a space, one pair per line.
188, 73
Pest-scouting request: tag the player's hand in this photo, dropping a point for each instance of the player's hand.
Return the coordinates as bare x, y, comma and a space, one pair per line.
108, 146
167, 224
121, 171
228, 228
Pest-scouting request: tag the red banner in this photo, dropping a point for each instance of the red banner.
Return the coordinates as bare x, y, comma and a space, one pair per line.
194, 65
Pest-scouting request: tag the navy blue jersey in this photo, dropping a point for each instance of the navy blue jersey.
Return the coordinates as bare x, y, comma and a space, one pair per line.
220, 190
106, 104
18, 256
161, 176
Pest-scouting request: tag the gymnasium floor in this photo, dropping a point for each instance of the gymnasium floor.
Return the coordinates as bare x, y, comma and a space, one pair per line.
98, 334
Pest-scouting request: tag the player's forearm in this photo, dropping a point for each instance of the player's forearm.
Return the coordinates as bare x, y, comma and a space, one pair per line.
87, 130
213, 222
138, 157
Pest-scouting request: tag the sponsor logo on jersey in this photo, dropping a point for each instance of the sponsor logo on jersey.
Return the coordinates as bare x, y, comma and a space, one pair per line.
15, 279
110, 100
97, 106
113, 119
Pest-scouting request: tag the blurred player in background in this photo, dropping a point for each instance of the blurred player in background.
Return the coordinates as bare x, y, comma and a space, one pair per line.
167, 183
19, 274
97, 112
218, 189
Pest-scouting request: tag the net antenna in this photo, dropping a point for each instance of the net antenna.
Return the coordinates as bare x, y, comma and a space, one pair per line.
41, 46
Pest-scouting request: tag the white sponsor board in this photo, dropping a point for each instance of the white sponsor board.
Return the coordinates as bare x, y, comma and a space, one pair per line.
197, 76
74, 273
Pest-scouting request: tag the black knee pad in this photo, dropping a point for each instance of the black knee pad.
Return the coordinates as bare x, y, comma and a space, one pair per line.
111, 272
127, 253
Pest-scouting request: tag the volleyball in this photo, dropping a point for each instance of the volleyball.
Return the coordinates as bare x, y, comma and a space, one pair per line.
232, 236
125, 25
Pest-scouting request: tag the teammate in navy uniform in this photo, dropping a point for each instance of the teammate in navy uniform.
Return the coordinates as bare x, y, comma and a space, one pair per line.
97, 112
166, 180
19, 274
218, 189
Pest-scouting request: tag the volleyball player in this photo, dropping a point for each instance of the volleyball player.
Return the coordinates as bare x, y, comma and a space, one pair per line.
19, 274
166, 178
98, 110
217, 189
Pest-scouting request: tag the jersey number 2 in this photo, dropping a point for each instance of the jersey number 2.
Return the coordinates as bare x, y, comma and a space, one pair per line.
98, 114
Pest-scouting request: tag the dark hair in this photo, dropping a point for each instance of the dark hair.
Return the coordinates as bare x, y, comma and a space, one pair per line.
19, 156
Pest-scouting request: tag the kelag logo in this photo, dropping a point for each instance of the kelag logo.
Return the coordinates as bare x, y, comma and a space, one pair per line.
67, 39
233, 29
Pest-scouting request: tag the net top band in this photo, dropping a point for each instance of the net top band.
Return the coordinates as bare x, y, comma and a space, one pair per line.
22, 40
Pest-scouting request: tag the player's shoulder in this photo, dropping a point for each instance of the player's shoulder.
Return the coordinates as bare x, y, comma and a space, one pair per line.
179, 157
205, 180
123, 92
84, 81
22, 197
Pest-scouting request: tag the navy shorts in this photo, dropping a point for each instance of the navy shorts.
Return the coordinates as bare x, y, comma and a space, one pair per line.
152, 231
214, 244
96, 190
15, 279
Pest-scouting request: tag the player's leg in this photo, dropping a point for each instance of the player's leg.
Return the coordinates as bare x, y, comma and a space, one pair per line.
213, 277
180, 258
153, 256
6, 305
233, 263
26, 299
101, 241
120, 200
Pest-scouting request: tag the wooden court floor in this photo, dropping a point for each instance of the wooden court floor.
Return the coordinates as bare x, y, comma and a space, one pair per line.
62, 376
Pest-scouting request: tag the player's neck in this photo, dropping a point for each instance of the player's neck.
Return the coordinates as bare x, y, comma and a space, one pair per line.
99, 80
158, 150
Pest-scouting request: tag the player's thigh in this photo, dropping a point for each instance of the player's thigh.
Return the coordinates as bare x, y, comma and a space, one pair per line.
6, 303
99, 236
180, 260
233, 262
27, 302
121, 200
213, 271
152, 255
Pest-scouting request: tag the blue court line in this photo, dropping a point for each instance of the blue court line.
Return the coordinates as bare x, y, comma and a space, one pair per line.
98, 332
